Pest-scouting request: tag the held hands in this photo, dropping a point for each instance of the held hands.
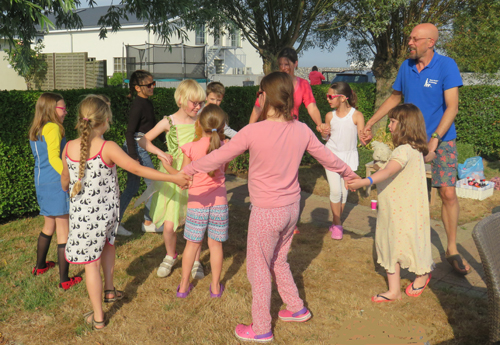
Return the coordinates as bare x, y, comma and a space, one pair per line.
355, 184
182, 179
324, 129
430, 157
349, 180
165, 161
367, 134
165, 156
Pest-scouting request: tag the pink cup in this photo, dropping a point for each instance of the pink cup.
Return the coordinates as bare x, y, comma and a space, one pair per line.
374, 204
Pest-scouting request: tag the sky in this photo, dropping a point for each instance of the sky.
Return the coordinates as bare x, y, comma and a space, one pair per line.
309, 58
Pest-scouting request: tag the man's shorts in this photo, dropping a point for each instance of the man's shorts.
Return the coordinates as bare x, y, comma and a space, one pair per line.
215, 218
444, 166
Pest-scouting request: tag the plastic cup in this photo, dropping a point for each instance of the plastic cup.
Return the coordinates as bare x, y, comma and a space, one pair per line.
374, 204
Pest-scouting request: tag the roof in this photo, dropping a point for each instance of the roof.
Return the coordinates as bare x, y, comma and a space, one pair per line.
91, 15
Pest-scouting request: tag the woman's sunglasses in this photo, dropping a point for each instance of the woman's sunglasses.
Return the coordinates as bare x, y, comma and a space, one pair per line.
149, 85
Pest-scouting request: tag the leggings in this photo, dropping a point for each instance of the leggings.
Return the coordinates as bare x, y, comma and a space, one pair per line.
338, 192
270, 233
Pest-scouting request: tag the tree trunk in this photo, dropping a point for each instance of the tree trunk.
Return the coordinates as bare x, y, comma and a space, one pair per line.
385, 71
270, 61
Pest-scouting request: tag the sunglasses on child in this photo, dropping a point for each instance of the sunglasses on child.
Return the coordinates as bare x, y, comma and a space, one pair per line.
149, 85
332, 97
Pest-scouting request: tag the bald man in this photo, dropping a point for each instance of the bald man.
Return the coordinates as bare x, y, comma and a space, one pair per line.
431, 82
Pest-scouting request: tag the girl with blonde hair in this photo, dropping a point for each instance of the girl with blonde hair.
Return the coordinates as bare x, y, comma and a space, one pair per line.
47, 140
89, 174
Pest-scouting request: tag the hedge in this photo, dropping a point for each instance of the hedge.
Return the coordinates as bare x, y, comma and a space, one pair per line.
478, 123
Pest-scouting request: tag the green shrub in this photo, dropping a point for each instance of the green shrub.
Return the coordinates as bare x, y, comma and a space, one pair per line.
116, 79
465, 151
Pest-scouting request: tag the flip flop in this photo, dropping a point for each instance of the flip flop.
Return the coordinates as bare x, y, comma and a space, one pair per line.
385, 299
460, 263
420, 289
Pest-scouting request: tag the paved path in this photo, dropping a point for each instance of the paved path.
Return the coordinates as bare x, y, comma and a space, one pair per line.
361, 221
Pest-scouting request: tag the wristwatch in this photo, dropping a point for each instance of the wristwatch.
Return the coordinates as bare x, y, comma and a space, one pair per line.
435, 135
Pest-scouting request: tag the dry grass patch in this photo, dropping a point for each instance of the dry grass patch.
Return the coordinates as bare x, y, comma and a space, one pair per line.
335, 278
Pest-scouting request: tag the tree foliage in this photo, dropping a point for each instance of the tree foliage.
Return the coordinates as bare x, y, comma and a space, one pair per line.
474, 40
269, 26
32, 68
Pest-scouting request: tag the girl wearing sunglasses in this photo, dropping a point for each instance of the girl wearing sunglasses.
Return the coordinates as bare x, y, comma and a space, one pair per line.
346, 125
141, 119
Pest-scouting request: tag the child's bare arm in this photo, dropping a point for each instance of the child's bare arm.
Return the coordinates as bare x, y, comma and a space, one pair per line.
146, 140
65, 171
112, 152
390, 169
359, 121
328, 119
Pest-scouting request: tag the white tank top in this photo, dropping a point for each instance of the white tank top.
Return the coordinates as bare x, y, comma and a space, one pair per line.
344, 139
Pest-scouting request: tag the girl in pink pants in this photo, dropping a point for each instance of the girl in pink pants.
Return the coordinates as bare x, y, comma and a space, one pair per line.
276, 147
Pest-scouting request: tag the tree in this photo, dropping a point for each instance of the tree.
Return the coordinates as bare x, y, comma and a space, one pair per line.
36, 69
379, 31
268, 25
475, 37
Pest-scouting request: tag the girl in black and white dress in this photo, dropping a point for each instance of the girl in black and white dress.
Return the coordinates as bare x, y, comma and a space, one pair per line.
89, 169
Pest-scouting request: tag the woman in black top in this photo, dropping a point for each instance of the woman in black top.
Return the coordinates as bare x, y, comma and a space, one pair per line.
141, 120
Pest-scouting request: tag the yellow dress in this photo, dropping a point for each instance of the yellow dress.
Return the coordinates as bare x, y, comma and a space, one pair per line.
169, 202
403, 232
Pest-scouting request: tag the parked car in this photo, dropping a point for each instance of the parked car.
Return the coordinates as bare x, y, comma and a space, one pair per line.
355, 77
329, 76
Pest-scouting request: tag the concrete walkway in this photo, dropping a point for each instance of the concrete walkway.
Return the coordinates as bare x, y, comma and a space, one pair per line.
361, 221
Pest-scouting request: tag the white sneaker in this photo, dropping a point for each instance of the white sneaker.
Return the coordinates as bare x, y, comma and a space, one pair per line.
122, 231
166, 266
197, 271
151, 228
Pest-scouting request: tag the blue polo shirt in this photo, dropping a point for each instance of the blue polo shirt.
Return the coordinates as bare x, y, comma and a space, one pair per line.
426, 89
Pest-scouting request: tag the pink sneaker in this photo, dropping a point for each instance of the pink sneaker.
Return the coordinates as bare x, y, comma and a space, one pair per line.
301, 316
246, 333
337, 231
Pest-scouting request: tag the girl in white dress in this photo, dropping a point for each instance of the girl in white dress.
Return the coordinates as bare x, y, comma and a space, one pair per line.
89, 170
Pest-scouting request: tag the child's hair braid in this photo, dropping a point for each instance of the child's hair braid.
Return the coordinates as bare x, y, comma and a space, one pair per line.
93, 112
212, 121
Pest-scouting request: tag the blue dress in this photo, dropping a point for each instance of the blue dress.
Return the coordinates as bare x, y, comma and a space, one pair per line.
53, 201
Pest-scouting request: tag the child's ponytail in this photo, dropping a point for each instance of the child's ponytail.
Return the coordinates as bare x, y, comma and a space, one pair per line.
353, 100
94, 111
212, 121
85, 128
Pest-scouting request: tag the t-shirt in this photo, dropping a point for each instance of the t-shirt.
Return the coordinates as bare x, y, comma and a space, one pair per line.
301, 94
206, 190
426, 89
316, 77
276, 150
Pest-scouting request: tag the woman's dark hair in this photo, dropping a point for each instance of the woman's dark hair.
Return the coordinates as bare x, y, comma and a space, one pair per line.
342, 88
288, 53
315, 68
278, 87
136, 79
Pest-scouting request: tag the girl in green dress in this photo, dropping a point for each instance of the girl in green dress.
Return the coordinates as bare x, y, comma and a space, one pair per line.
169, 202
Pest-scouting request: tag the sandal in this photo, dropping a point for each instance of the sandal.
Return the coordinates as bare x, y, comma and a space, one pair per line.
94, 323
118, 295
420, 289
459, 267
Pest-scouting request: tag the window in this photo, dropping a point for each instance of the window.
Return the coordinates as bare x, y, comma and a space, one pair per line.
118, 67
200, 35
91, 59
233, 38
219, 66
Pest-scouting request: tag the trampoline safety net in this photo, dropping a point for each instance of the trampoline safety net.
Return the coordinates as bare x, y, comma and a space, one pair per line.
179, 62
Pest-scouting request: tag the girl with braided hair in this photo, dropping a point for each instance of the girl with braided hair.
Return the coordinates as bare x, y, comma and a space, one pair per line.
276, 147
47, 140
89, 173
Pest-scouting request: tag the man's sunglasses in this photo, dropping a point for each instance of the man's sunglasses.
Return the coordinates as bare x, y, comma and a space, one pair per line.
149, 85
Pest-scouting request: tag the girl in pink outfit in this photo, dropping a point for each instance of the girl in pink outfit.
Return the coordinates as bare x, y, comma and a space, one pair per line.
207, 202
276, 147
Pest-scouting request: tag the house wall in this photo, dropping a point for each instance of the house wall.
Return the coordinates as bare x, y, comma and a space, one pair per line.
9, 79
87, 40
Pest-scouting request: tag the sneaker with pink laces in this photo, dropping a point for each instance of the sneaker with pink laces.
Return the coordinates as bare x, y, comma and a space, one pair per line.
337, 231
301, 316
246, 333
71, 282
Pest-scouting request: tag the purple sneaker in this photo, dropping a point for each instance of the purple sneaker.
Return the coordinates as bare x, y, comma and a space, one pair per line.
301, 316
337, 231
246, 333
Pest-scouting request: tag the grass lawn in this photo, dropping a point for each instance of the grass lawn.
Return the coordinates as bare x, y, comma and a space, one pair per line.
335, 278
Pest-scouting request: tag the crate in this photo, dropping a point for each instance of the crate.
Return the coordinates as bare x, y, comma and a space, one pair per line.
470, 192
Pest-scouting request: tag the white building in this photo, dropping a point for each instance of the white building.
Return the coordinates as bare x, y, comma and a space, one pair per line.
228, 55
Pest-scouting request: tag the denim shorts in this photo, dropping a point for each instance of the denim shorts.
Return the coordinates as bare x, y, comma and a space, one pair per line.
213, 218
